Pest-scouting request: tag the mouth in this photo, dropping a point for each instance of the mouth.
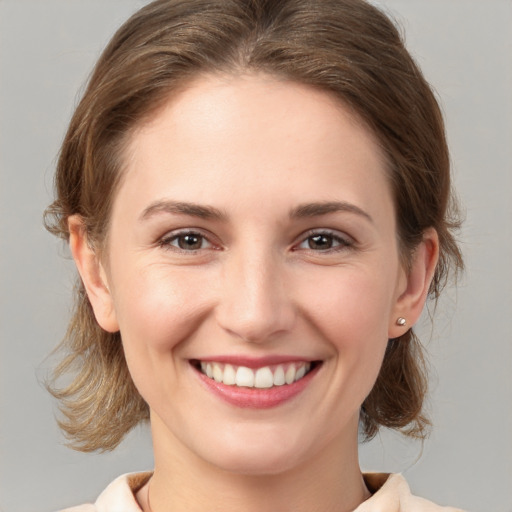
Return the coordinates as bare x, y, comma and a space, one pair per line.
264, 377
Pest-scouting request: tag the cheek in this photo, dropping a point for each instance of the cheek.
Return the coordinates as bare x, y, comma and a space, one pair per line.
156, 310
351, 305
352, 312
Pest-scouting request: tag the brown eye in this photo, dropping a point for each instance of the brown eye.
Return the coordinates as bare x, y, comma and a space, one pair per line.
320, 242
325, 241
188, 241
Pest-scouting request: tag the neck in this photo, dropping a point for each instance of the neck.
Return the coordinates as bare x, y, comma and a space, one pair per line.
330, 481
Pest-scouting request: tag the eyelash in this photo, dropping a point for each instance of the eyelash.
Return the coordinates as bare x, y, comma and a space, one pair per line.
167, 241
340, 243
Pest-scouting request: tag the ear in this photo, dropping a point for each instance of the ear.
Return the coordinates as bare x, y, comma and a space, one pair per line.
415, 283
93, 275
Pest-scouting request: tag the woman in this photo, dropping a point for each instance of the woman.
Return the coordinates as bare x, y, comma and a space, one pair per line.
257, 198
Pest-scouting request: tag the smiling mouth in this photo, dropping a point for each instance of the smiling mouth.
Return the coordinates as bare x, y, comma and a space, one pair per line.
260, 378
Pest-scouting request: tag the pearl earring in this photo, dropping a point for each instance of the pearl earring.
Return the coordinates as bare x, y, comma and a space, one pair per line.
401, 321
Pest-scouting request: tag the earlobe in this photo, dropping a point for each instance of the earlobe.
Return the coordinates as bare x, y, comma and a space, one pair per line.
411, 299
92, 274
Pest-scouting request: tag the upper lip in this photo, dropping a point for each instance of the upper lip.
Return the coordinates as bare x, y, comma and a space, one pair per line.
255, 362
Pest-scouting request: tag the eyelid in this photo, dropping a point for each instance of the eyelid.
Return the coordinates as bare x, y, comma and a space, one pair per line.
345, 241
165, 240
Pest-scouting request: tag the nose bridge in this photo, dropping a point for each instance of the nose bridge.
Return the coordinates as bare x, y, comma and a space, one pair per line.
255, 305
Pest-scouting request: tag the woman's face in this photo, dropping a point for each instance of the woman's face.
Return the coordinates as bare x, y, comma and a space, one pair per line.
253, 239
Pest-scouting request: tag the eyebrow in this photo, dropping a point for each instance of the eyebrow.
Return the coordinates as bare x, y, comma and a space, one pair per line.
183, 208
209, 212
316, 209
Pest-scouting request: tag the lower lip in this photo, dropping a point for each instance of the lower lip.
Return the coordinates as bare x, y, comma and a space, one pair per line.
255, 398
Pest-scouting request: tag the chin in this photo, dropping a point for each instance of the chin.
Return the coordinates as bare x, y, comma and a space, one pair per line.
256, 464
261, 454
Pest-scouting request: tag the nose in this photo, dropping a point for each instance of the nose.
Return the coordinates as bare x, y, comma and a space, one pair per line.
255, 304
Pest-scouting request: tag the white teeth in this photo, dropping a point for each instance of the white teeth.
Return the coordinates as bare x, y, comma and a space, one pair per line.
279, 379
244, 377
217, 372
262, 378
290, 374
229, 375
300, 373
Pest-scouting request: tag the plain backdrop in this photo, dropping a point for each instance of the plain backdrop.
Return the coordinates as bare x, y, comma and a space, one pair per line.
47, 49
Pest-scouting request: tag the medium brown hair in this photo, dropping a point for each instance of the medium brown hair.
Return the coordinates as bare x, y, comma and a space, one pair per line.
347, 48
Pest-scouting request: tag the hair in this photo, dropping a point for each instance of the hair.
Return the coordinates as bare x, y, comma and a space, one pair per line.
347, 48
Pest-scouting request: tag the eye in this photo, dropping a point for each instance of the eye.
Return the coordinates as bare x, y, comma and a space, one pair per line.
186, 241
325, 241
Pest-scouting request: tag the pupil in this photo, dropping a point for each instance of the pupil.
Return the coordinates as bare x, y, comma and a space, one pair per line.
190, 242
320, 242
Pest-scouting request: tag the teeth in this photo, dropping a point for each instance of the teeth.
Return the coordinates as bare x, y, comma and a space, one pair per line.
262, 378
229, 375
290, 375
245, 377
279, 379
300, 373
218, 374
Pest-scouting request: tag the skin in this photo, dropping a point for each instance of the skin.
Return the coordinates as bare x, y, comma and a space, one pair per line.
255, 149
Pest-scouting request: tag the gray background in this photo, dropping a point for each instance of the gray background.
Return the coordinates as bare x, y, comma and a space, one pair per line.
47, 49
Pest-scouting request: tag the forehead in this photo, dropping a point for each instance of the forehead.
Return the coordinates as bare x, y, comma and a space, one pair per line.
258, 100
251, 134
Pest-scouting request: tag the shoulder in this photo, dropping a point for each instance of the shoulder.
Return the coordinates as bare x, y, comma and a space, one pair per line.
392, 493
119, 496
